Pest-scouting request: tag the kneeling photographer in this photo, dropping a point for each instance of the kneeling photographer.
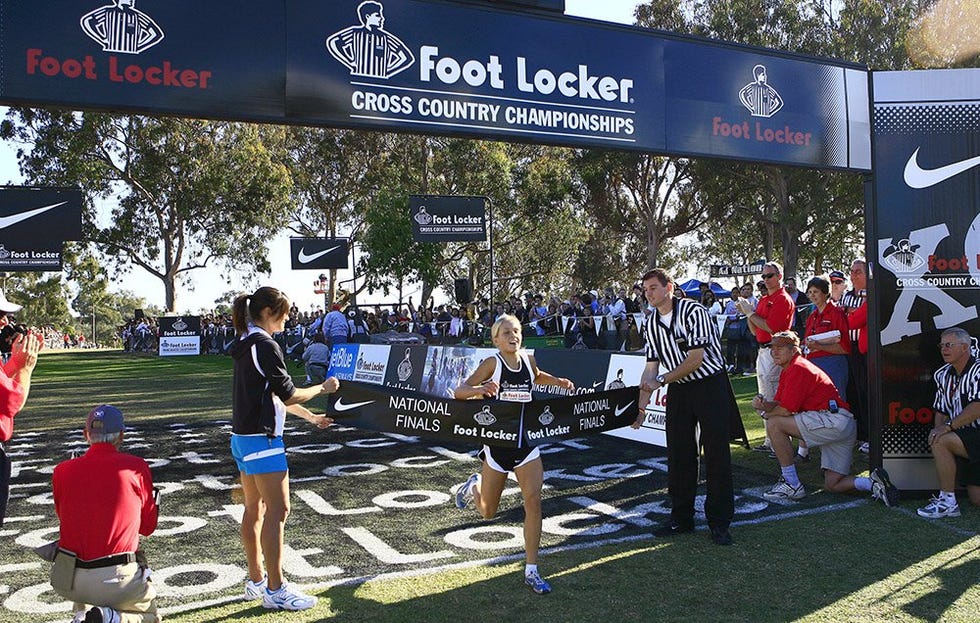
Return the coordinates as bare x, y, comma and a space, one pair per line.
15, 383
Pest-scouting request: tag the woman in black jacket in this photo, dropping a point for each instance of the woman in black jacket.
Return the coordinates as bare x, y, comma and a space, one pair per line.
262, 394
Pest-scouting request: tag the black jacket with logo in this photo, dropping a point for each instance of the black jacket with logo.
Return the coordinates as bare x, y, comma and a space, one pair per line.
261, 385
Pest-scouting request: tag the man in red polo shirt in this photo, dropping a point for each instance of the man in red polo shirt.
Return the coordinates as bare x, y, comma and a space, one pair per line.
808, 406
773, 314
105, 500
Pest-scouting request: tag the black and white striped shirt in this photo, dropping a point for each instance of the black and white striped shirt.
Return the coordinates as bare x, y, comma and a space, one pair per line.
849, 301
689, 327
955, 391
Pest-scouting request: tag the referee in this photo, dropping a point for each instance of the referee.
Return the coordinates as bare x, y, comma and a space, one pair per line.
684, 353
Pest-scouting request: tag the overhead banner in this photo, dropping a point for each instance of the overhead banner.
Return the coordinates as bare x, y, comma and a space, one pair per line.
319, 253
179, 335
925, 236
441, 218
437, 68
491, 422
34, 225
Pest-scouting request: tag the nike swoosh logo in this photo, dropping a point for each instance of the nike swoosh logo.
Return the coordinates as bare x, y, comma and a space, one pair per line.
621, 410
306, 259
917, 177
13, 219
340, 406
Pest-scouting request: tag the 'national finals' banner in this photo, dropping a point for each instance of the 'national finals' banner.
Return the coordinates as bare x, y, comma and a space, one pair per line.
491, 422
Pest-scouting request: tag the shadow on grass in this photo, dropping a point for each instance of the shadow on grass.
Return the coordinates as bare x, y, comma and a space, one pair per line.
798, 569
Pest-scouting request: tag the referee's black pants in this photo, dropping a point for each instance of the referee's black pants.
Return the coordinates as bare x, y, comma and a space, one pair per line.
705, 402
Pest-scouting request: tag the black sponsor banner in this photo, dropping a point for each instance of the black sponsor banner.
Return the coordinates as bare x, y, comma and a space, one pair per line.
405, 365
491, 422
406, 412
924, 249
319, 253
177, 326
561, 418
440, 218
34, 225
437, 68
179, 335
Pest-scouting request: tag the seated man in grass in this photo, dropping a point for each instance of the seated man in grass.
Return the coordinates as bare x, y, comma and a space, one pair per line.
808, 406
955, 437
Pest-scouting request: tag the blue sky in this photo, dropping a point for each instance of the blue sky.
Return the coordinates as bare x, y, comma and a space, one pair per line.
298, 285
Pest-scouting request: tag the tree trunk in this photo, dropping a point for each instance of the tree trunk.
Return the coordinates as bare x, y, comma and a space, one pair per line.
653, 244
170, 292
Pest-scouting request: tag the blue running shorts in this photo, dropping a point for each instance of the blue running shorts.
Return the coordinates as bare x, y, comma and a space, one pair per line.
259, 454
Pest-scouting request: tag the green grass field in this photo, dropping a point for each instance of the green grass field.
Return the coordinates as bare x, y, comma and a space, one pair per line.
373, 534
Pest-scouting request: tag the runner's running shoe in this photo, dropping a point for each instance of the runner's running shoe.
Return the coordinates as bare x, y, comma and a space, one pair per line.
463, 493
538, 584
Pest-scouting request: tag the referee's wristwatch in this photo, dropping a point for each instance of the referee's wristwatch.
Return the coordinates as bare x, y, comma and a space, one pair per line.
661, 379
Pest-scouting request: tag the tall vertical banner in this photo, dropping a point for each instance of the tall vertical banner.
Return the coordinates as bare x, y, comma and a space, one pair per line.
180, 335
925, 237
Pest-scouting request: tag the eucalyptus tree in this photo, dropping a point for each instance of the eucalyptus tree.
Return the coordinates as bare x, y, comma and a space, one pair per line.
535, 232
803, 217
168, 196
334, 173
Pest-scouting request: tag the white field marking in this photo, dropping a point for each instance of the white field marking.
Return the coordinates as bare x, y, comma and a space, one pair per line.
317, 504
387, 554
294, 563
630, 516
556, 525
396, 499
939, 523
418, 462
394, 575
10, 520
315, 448
463, 539
20, 566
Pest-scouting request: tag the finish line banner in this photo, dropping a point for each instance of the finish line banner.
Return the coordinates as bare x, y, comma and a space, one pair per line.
437, 68
491, 422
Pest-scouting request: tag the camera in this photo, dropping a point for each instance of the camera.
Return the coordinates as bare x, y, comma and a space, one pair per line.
9, 333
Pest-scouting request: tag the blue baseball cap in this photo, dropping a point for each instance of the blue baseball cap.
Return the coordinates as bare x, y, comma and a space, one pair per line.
104, 419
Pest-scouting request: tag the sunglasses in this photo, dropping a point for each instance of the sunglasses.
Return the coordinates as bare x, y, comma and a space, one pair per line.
4, 314
769, 276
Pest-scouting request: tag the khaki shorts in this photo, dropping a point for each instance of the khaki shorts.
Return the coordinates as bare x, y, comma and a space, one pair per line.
834, 433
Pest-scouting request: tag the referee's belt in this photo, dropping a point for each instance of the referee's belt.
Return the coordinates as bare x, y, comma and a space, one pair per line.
106, 561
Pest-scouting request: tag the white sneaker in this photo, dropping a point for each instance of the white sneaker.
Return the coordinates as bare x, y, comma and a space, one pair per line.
882, 487
287, 599
255, 590
782, 490
938, 508
463, 494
